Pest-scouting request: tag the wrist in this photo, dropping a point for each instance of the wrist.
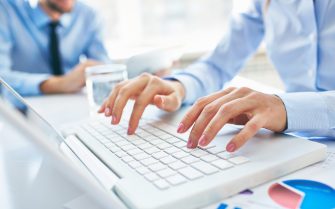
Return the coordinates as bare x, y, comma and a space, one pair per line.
282, 117
180, 89
53, 85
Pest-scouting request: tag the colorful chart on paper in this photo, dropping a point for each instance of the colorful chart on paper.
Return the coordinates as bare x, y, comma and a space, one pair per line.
303, 194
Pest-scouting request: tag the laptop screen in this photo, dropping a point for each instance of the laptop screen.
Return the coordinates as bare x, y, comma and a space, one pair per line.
11, 98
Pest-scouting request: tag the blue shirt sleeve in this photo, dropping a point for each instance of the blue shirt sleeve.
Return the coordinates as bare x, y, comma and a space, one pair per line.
26, 84
310, 112
243, 37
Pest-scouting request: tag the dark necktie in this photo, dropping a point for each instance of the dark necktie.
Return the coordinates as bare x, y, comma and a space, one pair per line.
55, 56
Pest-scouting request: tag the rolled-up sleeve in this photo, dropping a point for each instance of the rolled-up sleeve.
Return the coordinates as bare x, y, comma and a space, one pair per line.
245, 32
310, 112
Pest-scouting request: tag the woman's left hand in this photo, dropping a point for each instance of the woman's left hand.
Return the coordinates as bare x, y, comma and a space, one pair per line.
240, 106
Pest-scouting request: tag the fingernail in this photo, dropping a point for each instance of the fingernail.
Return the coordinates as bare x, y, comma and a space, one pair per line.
203, 140
180, 128
113, 119
129, 131
107, 111
189, 144
231, 147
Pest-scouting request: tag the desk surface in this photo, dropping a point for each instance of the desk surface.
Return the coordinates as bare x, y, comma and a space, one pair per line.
60, 110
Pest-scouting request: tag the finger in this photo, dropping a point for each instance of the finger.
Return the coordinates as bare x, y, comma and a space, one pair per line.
102, 107
197, 108
200, 124
207, 114
124, 94
168, 103
223, 116
109, 103
142, 101
250, 129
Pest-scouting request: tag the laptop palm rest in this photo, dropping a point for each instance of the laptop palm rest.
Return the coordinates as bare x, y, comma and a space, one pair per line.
99, 170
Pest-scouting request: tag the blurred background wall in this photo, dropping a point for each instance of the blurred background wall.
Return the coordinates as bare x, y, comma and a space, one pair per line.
134, 26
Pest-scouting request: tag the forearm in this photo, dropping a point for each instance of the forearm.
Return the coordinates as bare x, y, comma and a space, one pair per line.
242, 39
26, 84
53, 85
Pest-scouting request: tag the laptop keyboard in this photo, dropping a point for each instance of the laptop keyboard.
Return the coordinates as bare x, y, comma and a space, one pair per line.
160, 157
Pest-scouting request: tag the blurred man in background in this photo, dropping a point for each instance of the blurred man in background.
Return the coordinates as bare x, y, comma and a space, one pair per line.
42, 43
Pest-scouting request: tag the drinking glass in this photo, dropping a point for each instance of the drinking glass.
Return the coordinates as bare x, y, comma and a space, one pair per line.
100, 81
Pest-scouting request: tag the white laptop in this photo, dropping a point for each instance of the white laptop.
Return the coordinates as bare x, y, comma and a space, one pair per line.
153, 168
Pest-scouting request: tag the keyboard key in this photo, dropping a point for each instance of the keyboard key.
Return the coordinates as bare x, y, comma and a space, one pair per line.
111, 135
166, 172
180, 154
216, 150
122, 143
173, 140
152, 130
103, 139
163, 145
134, 164
127, 158
222, 164
152, 150
151, 138
143, 134
171, 150
190, 159
121, 154
238, 160
114, 148
209, 158
141, 156
168, 159
159, 155
177, 165
205, 168
198, 153
138, 141
180, 144
149, 161
142, 170
159, 133
151, 176
165, 136
190, 173
132, 137
145, 146
209, 146
226, 155
116, 139
134, 151
157, 166
157, 141
128, 147
185, 149
161, 184
122, 131
176, 179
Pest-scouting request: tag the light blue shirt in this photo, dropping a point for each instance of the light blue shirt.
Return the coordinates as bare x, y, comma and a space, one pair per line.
300, 41
24, 42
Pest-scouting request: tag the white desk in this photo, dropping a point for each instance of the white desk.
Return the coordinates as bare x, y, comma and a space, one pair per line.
21, 165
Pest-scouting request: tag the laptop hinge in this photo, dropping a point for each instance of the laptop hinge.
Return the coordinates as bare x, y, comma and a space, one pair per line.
99, 170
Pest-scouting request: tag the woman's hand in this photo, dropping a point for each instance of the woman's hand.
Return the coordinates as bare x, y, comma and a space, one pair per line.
145, 89
240, 106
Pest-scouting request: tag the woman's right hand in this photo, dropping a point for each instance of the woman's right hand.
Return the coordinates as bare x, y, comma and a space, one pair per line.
145, 89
